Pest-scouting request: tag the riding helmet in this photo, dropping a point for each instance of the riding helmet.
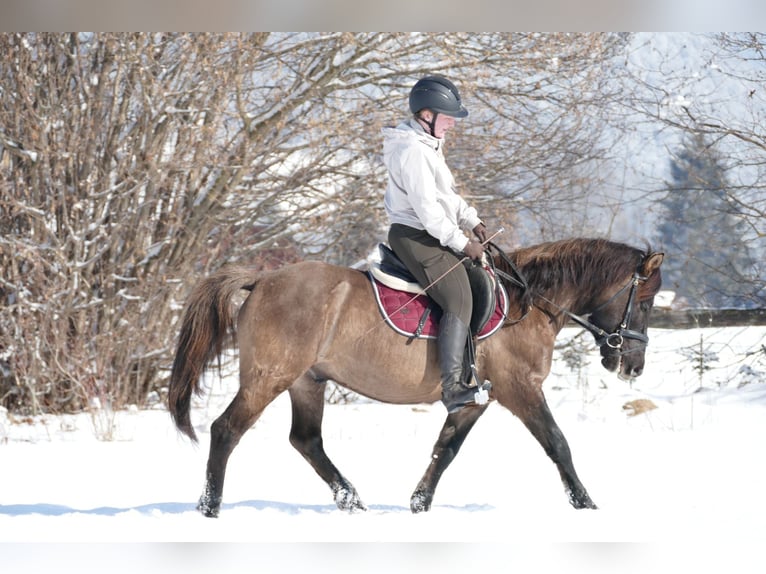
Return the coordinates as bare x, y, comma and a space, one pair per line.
438, 94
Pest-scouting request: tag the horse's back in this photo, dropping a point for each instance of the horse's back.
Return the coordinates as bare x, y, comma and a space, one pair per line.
296, 303
308, 284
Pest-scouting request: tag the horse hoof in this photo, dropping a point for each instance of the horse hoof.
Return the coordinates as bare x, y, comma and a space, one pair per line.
208, 510
420, 502
581, 503
346, 498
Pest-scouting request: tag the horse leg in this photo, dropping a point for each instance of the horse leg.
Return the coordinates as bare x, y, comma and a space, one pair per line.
225, 433
538, 418
307, 397
453, 433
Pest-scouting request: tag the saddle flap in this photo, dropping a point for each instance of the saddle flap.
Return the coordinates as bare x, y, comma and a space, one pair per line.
484, 299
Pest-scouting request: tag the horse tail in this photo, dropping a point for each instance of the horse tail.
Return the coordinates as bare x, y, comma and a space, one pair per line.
208, 321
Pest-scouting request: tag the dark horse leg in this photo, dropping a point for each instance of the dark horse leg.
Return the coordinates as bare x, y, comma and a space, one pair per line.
307, 397
225, 433
453, 433
537, 417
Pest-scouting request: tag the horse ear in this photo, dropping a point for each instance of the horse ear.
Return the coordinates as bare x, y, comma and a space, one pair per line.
651, 264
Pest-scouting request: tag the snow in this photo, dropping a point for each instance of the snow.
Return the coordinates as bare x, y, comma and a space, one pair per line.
687, 475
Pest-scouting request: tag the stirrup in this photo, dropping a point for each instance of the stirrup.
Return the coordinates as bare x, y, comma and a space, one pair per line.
463, 396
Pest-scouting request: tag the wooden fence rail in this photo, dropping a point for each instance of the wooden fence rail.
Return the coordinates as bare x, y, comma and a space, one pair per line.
694, 318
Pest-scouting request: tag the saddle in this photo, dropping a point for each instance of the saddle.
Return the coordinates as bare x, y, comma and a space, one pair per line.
415, 315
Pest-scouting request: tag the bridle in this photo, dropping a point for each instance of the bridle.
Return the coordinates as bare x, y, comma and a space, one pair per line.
613, 340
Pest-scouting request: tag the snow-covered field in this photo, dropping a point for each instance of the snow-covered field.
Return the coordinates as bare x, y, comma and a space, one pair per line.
689, 473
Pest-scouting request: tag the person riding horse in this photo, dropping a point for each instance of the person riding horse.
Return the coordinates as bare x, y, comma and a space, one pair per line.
428, 219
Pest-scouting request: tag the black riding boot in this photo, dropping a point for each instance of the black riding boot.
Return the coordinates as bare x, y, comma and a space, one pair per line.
453, 335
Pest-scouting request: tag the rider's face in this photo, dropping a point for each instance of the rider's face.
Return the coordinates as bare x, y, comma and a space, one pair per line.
444, 123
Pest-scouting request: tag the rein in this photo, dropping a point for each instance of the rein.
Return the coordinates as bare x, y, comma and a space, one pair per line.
519, 280
612, 340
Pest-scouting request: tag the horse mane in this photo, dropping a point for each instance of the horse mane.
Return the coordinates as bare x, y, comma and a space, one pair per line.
590, 264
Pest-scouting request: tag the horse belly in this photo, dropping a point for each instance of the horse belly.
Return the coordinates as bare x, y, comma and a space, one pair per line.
387, 369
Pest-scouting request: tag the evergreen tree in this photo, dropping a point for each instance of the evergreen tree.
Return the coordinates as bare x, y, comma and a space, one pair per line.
709, 264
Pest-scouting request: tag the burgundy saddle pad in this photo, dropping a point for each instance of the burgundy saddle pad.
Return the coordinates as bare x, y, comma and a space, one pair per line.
404, 311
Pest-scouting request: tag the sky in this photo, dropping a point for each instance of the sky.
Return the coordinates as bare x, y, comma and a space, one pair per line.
679, 485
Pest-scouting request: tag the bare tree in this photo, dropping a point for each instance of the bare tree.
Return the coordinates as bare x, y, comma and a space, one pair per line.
542, 130
720, 100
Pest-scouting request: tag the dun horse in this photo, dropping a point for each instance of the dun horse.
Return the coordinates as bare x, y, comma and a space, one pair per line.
311, 322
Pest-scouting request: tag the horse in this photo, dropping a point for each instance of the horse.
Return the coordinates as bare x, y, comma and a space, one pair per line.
311, 322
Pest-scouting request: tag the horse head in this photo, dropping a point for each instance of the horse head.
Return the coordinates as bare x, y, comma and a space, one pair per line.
624, 318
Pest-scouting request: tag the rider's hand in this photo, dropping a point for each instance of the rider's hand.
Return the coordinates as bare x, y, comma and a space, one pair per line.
481, 232
474, 250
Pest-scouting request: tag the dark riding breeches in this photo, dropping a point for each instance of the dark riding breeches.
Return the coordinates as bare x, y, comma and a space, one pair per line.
428, 260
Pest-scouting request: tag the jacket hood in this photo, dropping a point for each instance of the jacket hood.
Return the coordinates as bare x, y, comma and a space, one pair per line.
407, 132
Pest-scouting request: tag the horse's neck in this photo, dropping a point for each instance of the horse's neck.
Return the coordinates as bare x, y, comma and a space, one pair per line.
555, 302
576, 297
573, 271
576, 293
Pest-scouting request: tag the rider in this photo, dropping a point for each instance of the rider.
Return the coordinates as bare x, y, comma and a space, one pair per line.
428, 218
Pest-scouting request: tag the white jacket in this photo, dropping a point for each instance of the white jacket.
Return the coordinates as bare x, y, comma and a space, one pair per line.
421, 192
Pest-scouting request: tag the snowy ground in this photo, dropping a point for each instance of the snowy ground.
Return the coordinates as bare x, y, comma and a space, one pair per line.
684, 478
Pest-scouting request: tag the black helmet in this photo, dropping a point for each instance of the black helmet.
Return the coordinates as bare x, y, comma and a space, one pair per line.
438, 94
